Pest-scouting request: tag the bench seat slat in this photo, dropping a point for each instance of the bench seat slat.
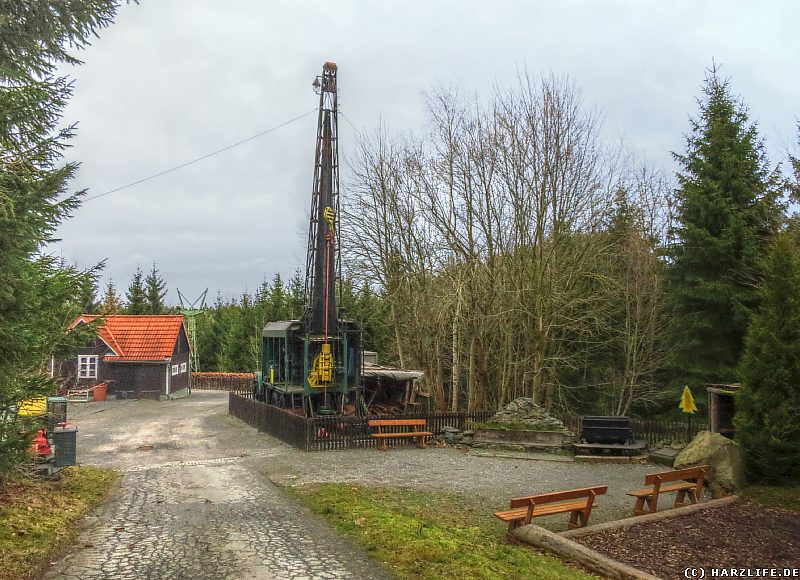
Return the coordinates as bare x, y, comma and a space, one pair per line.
404, 434
542, 510
664, 489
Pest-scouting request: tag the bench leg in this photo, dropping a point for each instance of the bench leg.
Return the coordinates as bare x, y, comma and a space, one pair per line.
420, 442
577, 519
382, 446
638, 509
649, 501
680, 499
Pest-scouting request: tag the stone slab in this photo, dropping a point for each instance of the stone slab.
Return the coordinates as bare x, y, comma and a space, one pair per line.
611, 458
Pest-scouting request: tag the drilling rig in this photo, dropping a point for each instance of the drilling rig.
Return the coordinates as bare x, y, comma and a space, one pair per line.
312, 366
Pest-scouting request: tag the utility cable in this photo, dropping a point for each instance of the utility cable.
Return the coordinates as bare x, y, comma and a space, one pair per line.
359, 133
206, 156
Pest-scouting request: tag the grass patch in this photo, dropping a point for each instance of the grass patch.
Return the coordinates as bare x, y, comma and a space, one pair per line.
427, 536
784, 498
37, 517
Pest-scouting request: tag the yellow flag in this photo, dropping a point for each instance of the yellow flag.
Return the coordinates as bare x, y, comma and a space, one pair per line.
687, 401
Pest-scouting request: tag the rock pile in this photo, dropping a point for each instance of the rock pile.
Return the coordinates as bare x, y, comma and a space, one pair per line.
453, 436
525, 412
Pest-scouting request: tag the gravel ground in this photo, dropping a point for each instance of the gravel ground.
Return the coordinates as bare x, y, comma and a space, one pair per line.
198, 497
487, 483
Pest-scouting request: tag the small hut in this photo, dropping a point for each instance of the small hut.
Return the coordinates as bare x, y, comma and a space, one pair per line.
721, 408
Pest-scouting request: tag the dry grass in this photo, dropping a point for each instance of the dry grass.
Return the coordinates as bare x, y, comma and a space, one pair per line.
37, 518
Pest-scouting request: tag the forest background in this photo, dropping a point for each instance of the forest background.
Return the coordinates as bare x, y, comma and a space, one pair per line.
508, 251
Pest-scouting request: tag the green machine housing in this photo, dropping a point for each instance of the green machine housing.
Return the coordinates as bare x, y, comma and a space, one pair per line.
287, 355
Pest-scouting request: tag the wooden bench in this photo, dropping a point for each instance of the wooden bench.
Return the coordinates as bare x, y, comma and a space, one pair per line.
416, 428
690, 484
79, 395
577, 502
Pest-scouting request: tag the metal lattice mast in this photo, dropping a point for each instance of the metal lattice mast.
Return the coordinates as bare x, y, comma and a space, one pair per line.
191, 311
323, 257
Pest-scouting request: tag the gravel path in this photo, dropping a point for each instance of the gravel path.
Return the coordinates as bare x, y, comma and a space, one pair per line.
198, 497
193, 501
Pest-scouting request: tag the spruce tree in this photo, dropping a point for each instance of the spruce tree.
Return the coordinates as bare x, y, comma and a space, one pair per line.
87, 298
155, 291
277, 300
296, 301
111, 303
136, 297
39, 294
727, 211
767, 417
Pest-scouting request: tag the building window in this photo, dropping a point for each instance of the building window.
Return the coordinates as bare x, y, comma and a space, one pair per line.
174, 370
87, 367
183, 367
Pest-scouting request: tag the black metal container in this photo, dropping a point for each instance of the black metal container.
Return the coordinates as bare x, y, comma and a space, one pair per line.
596, 429
65, 443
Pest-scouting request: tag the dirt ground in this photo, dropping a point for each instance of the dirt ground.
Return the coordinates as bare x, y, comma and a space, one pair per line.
735, 536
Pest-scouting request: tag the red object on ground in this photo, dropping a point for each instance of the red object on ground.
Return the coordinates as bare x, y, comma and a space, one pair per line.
40, 445
99, 392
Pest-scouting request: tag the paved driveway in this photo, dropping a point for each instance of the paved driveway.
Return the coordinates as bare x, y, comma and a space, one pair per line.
194, 501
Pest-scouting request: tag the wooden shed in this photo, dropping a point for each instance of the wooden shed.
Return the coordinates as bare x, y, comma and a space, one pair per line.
137, 356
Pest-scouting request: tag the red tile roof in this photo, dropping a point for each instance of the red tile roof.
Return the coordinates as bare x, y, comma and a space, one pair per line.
137, 337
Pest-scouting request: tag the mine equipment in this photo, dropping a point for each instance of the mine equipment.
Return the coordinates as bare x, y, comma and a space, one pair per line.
313, 365
596, 429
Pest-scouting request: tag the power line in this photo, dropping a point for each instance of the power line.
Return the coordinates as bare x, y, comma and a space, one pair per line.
350, 123
206, 156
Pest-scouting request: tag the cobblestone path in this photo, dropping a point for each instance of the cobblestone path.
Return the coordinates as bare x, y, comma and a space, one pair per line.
189, 508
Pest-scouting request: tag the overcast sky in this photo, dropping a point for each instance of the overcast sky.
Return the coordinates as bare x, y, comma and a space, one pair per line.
173, 80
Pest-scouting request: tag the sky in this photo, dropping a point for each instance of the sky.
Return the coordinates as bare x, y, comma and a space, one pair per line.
173, 80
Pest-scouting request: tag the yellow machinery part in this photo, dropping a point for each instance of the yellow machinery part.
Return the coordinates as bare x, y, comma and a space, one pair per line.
322, 369
330, 218
35, 407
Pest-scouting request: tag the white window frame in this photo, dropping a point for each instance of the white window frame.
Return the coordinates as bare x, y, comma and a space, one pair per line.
87, 366
175, 370
183, 368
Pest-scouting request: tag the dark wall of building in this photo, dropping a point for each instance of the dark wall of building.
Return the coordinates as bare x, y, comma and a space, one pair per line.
180, 357
68, 369
136, 380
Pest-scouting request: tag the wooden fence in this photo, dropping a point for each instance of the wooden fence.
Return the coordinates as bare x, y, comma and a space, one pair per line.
223, 381
651, 431
328, 433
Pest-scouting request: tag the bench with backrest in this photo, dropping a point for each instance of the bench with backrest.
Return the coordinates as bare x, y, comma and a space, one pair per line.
399, 428
577, 502
689, 484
